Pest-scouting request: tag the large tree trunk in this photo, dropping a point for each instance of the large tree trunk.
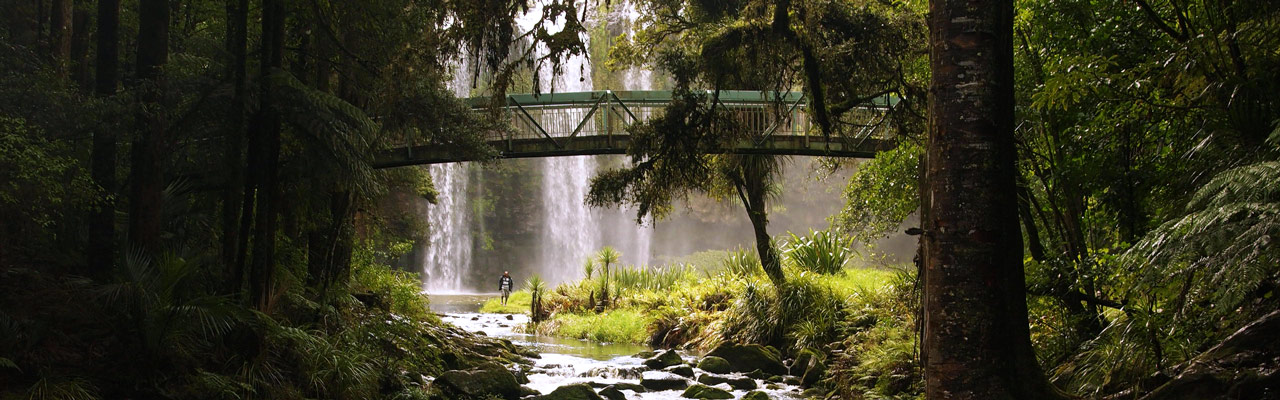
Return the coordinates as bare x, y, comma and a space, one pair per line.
976, 339
262, 269
233, 157
147, 171
102, 228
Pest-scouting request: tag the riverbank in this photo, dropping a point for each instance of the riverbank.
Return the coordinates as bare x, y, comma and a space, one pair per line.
855, 325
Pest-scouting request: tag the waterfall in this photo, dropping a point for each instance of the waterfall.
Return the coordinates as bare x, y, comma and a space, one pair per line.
447, 255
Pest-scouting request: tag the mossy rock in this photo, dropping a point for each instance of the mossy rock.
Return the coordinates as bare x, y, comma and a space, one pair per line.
816, 371
635, 387
612, 393
755, 395
749, 357
743, 383
706, 392
663, 360
526, 391
712, 380
577, 391
813, 393
479, 384
715, 365
682, 370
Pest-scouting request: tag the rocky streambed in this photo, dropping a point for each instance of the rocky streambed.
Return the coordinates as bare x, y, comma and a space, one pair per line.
582, 369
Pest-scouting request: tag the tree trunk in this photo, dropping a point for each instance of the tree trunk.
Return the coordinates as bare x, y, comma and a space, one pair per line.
233, 157
60, 35
102, 228
80, 49
147, 185
976, 339
262, 269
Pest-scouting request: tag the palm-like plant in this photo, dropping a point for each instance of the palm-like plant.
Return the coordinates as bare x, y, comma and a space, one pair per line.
537, 287
608, 256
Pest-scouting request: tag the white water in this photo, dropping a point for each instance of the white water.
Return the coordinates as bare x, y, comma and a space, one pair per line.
571, 231
448, 253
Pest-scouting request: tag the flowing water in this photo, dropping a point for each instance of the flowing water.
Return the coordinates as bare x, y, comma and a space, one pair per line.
567, 361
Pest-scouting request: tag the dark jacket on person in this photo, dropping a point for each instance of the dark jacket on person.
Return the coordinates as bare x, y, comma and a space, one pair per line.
504, 283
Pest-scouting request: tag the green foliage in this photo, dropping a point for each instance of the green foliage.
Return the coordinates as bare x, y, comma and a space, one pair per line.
652, 278
519, 302
623, 325
881, 194
742, 263
537, 289
879, 341
822, 252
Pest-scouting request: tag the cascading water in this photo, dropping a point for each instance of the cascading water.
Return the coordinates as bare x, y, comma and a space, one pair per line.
571, 230
448, 253
446, 256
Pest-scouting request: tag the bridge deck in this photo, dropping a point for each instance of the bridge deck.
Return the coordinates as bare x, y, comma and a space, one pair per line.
591, 123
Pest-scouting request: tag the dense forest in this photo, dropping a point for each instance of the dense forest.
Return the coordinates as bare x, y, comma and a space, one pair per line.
189, 207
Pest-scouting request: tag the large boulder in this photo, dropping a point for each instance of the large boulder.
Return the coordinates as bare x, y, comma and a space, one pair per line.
657, 380
577, 391
479, 383
635, 387
663, 360
715, 365
706, 392
742, 383
750, 357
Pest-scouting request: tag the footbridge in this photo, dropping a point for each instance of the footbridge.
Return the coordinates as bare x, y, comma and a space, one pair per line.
591, 123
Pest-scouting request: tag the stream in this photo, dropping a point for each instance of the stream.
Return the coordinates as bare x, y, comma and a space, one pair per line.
566, 361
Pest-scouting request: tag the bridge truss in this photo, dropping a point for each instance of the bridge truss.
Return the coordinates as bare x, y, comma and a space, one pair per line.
590, 123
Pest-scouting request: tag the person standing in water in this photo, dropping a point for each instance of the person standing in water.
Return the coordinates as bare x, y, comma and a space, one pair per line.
504, 285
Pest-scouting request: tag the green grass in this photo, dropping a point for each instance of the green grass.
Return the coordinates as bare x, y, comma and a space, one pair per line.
857, 280
518, 303
626, 325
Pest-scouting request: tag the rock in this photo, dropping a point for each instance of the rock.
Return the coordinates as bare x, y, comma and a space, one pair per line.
475, 318
682, 370
577, 391
1242, 366
509, 317
773, 386
812, 393
715, 365
743, 383
656, 380
774, 379
743, 358
598, 385
706, 392
663, 360
755, 395
801, 362
758, 374
791, 380
816, 371
629, 386
612, 393
528, 391
711, 380
479, 383
645, 354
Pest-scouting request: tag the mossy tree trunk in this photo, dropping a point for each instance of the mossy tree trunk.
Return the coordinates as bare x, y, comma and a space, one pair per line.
976, 338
